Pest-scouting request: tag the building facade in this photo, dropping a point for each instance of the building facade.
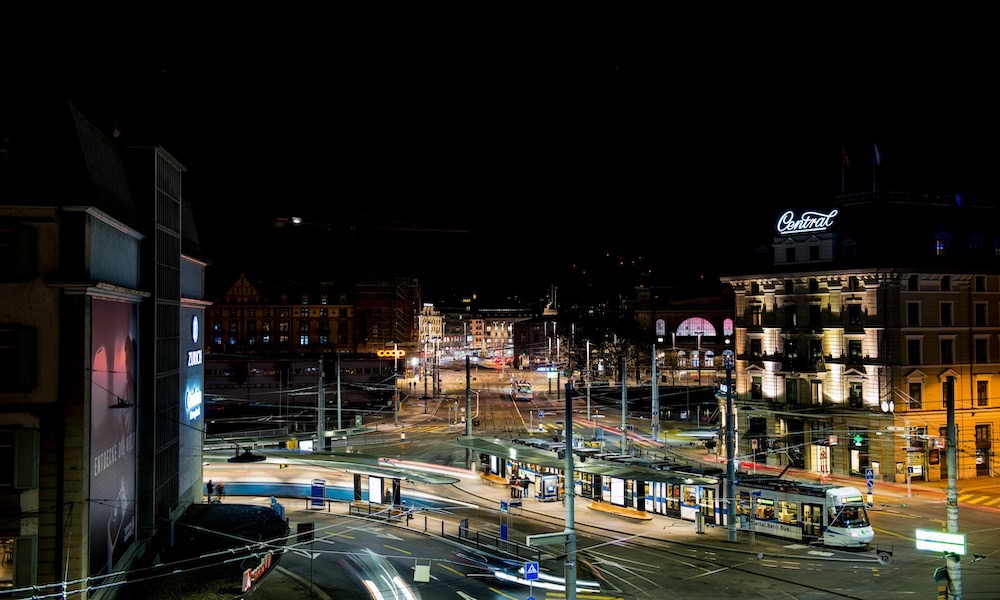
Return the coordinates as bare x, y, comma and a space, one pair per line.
92, 407
855, 339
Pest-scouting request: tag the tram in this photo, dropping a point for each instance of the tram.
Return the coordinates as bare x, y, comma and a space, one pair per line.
826, 513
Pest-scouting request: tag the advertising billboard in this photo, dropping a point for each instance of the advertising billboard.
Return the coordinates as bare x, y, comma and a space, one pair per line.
112, 433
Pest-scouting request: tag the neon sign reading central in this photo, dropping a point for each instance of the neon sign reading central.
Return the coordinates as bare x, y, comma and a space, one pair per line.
809, 221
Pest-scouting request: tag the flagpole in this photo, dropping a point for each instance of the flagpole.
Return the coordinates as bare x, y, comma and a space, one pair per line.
877, 160
843, 168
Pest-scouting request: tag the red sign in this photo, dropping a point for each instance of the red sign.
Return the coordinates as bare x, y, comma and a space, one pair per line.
251, 576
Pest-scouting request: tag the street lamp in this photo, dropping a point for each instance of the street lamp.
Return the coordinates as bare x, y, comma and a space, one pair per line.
729, 361
395, 383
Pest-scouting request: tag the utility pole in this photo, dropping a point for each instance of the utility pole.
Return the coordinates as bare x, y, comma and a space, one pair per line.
624, 408
952, 560
395, 384
340, 424
586, 378
321, 412
569, 495
728, 360
468, 399
655, 417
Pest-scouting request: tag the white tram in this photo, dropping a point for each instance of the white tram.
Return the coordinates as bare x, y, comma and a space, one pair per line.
826, 513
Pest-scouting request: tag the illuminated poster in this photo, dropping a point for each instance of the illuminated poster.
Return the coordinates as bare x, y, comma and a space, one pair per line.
617, 491
376, 493
112, 434
192, 412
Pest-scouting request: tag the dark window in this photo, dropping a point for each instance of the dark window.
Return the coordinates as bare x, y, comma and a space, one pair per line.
854, 351
982, 393
980, 314
813, 252
814, 316
946, 284
755, 348
18, 358
792, 390
18, 252
756, 389
791, 319
913, 283
982, 350
854, 314
789, 286
854, 392
980, 283
913, 314
852, 283
813, 286
947, 351
946, 310
789, 254
916, 395
815, 349
913, 352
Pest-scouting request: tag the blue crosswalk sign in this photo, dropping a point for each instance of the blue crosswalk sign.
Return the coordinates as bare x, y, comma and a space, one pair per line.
531, 571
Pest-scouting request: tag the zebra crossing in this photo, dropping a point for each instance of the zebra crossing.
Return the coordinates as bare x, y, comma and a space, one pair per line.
979, 500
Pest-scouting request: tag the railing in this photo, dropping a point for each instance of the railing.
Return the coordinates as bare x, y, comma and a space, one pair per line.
421, 521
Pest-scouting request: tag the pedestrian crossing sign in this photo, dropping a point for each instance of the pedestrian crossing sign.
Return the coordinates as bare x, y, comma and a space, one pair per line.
531, 571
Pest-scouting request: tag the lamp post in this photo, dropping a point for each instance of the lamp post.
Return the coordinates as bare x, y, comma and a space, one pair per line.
655, 402
395, 383
728, 360
425, 376
587, 379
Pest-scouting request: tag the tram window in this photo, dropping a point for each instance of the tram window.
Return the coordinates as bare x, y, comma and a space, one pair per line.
765, 509
743, 508
690, 495
787, 511
848, 516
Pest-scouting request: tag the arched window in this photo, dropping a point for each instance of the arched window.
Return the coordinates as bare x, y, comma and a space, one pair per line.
696, 326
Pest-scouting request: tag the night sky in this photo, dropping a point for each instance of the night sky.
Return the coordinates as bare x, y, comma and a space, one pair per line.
469, 157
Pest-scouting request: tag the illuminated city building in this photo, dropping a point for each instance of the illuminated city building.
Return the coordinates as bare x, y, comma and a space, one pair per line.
852, 326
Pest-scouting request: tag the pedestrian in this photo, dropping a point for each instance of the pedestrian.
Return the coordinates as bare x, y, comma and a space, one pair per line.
220, 491
209, 488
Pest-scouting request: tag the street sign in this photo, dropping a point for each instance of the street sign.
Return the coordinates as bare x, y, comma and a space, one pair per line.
541, 413
869, 474
542, 539
531, 571
871, 483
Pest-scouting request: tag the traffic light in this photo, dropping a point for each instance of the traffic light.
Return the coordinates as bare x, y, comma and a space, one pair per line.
858, 439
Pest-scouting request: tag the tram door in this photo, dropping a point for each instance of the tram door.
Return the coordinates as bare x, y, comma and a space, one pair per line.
708, 505
812, 519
